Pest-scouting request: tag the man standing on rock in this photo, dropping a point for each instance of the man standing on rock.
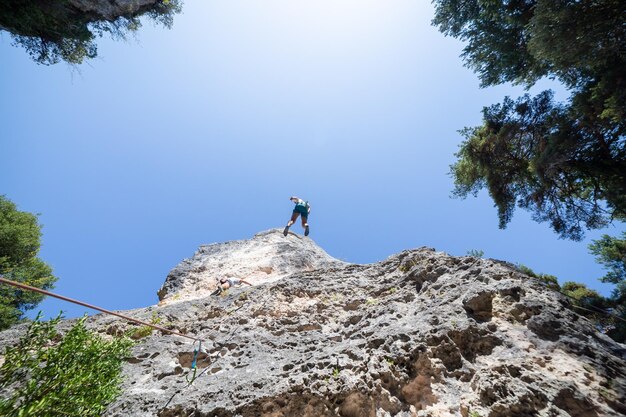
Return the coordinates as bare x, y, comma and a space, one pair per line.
303, 209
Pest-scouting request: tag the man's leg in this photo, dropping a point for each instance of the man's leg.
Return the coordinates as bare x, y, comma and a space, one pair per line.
305, 224
293, 219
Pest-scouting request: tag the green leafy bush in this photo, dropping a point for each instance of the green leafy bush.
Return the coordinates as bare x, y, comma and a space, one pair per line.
50, 375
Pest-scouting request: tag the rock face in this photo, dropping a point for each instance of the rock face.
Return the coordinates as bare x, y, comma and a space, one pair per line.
267, 257
419, 334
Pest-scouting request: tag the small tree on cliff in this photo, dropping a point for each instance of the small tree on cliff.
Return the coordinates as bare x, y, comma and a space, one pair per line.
20, 235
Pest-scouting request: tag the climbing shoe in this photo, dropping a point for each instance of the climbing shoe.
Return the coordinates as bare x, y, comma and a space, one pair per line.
306, 230
286, 230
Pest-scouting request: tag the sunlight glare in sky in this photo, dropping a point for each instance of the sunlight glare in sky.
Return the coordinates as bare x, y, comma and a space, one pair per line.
321, 29
332, 23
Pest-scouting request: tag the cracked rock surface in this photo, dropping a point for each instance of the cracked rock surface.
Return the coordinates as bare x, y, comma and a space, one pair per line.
267, 257
419, 334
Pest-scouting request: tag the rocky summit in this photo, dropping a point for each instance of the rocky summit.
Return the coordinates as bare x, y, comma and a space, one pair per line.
421, 333
267, 257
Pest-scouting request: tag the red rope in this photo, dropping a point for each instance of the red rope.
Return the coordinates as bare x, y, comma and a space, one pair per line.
60, 297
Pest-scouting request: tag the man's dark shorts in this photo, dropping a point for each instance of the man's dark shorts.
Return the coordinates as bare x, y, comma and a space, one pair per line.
302, 210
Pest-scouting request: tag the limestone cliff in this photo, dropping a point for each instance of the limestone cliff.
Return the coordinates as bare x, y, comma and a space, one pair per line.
419, 334
267, 257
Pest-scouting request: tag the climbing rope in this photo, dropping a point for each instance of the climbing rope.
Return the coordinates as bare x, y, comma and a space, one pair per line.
154, 326
112, 313
191, 375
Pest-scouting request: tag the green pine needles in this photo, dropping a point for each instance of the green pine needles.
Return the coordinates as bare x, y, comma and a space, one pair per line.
49, 375
564, 162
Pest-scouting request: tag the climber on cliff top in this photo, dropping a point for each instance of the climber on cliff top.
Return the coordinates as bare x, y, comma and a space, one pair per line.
303, 209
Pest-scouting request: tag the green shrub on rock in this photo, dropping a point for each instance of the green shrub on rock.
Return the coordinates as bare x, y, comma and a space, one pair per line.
52, 375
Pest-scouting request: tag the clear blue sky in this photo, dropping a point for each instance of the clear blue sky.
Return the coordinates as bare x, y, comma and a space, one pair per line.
200, 134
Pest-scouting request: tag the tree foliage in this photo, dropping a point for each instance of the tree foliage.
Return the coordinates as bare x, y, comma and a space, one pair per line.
54, 31
20, 235
49, 375
565, 162
611, 253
